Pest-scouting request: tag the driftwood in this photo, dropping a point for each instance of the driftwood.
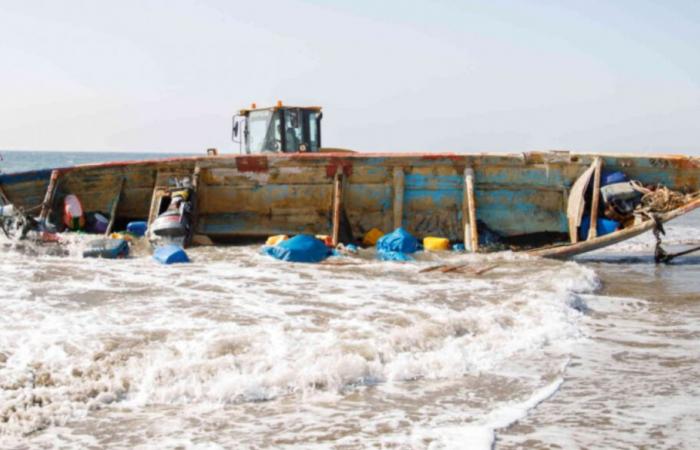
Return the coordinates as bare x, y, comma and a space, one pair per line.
340, 263
483, 270
453, 268
432, 268
458, 268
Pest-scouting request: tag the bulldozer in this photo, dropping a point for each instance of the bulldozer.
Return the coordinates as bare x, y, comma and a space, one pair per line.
279, 129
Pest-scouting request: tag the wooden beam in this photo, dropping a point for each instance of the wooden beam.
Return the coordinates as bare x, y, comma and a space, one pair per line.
398, 196
471, 234
47, 204
195, 201
595, 201
155, 202
337, 206
113, 210
575, 204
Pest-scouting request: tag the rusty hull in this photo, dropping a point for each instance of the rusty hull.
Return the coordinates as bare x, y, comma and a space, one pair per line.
261, 195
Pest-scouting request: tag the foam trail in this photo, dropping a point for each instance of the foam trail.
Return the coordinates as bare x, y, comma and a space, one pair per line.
482, 434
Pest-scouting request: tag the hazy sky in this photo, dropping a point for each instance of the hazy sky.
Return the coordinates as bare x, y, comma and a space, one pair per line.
405, 75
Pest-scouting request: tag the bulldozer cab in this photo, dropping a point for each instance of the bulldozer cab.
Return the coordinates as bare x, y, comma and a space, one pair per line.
280, 129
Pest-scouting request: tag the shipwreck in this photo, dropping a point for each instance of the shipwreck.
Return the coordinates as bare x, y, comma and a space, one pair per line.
283, 182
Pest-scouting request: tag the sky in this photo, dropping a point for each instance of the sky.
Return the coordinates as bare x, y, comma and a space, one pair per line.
462, 76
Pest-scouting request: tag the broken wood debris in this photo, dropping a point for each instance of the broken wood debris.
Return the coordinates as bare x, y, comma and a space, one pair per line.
459, 268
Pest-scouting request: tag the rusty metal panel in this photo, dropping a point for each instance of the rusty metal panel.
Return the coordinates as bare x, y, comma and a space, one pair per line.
255, 224
265, 199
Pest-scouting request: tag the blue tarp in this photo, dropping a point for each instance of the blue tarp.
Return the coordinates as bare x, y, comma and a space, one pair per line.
300, 248
388, 255
170, 254
396, 246
398, 240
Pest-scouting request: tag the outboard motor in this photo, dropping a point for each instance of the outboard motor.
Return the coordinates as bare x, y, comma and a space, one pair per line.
620, 200
173, 225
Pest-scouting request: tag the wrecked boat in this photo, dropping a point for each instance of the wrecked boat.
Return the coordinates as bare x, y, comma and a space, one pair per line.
284, 182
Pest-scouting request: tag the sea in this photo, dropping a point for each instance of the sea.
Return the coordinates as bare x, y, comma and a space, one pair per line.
239, 351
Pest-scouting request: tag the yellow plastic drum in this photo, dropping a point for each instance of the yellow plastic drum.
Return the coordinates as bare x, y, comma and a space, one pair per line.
274, 240
126, 236
434, 244
371, 237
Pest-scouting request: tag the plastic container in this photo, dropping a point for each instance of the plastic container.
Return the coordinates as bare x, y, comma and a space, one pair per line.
604, 226
170, 254
107, 248
435, 244
371, 237
122, 235
99, 223
73, 216
137, 228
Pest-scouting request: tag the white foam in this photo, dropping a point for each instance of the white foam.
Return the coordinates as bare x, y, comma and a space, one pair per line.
235, 328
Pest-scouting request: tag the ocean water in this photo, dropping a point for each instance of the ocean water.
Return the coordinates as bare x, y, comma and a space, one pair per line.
20, 161
236, 350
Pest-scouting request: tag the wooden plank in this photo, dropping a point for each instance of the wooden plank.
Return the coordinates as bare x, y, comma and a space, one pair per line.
196, 175
47, 204
595, 201
158, 192
576, 202
337, 206
113, 210
398, 196
471, 234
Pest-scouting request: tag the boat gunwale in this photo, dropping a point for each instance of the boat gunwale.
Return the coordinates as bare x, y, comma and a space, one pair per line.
524, 158
569, 250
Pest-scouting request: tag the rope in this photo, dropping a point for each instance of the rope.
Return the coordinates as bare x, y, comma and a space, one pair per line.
660, 255
660, 199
